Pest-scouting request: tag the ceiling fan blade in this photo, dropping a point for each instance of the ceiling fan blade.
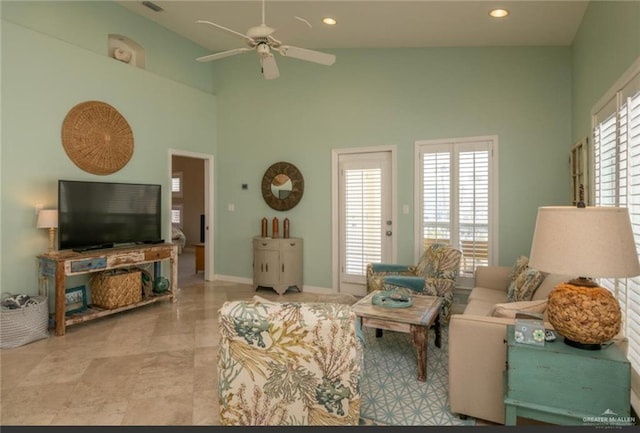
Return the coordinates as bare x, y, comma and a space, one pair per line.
308, 55
226, 29
223, 54
269, 66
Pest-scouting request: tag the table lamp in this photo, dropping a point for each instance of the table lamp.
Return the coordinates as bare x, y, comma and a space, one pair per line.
588, 242
48, 219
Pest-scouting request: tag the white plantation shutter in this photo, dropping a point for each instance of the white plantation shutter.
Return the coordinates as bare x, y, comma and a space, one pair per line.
473, 209
363, 210
436, 197
455, 181
633, 284
176, 184
176, 215
616, 147
605, 165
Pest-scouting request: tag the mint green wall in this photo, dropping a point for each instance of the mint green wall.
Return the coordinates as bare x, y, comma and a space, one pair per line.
43, 76
87, 24
607, 43
52, 58
373, 97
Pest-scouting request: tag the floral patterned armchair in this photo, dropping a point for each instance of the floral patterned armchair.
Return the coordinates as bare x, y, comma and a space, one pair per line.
288, 364
434, 275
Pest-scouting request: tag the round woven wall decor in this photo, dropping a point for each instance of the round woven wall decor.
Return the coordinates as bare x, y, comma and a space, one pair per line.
97, 138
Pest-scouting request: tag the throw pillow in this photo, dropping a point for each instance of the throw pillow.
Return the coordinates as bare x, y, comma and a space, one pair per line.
526, 284
520, 265
509, 310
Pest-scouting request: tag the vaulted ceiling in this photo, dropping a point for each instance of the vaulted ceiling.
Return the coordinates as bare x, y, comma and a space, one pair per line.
372, 23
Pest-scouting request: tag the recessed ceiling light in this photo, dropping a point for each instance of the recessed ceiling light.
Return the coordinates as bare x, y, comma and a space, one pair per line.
329, 21
499, 13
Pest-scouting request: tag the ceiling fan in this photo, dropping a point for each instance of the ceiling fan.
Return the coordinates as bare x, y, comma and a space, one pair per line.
259, 38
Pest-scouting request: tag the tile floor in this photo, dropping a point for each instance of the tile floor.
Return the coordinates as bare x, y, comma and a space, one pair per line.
154, 365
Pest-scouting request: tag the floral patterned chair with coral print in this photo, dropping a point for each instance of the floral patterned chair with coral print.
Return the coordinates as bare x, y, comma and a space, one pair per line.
434, 275
288, 364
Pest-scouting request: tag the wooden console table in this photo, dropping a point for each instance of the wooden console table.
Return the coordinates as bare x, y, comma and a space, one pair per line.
63, 264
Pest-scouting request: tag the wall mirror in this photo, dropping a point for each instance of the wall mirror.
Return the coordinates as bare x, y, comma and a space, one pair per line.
282, 186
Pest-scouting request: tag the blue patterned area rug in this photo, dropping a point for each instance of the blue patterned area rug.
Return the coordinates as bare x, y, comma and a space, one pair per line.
391, 394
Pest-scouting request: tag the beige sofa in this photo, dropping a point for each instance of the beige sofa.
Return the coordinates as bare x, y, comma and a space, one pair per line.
477, 349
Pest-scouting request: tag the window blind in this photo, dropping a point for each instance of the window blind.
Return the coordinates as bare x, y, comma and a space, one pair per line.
455, 193
436, 197
616, 139
473, 209
363, 210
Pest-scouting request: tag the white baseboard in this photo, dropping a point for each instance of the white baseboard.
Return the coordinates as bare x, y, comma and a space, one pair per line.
232, 279
249, 281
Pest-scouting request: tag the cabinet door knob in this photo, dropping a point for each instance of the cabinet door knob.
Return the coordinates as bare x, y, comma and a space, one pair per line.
264, 244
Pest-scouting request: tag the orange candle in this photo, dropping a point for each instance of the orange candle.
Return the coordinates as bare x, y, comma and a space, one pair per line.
275, 228
264, 228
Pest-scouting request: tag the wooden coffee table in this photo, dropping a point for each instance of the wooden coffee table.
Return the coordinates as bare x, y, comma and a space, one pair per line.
416, 320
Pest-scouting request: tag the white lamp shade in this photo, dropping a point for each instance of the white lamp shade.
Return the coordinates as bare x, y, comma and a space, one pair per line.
47, 218
591, 242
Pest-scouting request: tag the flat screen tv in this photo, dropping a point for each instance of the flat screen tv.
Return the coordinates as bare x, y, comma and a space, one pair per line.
94, 215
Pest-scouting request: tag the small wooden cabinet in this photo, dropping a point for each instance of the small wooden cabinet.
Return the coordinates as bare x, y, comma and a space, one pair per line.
199, 257
277, 263
560, 384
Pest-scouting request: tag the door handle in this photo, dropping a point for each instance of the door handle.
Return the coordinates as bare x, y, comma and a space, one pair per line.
389, 233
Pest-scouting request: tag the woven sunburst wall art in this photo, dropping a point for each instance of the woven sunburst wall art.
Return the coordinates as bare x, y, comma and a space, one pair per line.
97, 138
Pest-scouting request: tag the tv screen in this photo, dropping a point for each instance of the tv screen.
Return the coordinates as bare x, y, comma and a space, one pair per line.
103, 214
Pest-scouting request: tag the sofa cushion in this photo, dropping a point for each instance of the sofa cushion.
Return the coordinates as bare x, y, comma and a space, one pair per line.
478, 307
525, 285
489, 295
510, 309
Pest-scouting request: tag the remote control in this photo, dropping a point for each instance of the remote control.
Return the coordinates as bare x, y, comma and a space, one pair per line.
549, 335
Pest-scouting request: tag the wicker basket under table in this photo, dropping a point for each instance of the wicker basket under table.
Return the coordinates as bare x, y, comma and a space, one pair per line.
111, 290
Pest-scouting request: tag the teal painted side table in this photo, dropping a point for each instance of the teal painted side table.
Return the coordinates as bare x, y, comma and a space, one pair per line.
560, 384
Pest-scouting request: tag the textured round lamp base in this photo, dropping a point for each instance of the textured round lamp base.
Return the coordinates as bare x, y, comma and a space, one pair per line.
586, 316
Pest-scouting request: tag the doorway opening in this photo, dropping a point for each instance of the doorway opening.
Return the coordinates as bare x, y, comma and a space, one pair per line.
191, 198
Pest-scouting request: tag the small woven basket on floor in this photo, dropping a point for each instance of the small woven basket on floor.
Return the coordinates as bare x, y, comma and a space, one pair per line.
24, 325
111, 290
588, 315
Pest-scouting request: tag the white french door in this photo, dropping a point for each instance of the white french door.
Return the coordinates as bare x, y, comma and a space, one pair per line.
365, 220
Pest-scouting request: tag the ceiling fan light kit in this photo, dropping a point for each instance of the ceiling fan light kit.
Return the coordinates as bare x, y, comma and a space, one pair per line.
259, 38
